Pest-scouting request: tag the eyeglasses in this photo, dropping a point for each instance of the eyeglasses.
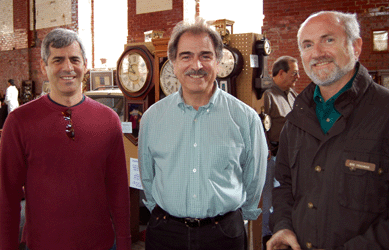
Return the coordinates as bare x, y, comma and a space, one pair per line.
67, 115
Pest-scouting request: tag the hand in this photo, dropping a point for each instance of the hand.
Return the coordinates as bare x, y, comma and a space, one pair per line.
282, 240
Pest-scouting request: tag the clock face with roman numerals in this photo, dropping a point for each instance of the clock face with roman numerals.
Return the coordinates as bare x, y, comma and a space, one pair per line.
168, 80
133, 72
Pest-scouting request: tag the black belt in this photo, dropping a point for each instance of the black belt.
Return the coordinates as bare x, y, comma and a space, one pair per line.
193, 222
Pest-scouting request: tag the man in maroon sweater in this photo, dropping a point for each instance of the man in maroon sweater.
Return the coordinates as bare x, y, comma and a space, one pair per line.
67, 151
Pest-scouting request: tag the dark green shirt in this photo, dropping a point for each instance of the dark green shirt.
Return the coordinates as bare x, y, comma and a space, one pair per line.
325, 110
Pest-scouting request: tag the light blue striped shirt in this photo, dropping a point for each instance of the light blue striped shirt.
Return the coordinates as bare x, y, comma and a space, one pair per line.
202, 163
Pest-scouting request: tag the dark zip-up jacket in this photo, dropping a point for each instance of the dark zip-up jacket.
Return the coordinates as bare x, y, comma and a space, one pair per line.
331, 195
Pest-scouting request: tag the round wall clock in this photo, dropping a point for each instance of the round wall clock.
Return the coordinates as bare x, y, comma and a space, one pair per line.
168, 81
134, 71
227, 64
229, 68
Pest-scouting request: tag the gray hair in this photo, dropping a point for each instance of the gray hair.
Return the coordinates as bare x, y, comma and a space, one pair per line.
198, 27
282, 63
349, 22
60, 38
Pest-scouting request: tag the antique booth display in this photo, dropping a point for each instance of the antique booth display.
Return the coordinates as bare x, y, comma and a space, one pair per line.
232, 62
134, 77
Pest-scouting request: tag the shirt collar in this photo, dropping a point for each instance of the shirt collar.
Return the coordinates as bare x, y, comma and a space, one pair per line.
286, 92
82, 100
182, 105
319, 98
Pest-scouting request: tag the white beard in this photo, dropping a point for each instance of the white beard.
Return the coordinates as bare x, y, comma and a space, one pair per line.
331, 76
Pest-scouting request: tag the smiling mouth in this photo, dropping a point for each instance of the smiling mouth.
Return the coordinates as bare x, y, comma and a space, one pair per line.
67, 77
196, 76
321, 63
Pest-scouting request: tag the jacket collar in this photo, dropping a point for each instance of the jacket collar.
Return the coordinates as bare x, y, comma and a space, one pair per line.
304, 107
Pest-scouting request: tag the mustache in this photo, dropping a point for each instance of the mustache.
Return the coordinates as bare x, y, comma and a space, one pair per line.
196, 72
320, 60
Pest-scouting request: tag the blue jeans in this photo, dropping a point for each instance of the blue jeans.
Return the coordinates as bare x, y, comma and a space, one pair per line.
113, 248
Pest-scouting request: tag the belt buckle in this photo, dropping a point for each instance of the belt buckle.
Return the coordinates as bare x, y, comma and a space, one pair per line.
191, 222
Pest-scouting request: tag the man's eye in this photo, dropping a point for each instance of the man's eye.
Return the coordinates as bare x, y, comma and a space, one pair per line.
306, 46
330, 40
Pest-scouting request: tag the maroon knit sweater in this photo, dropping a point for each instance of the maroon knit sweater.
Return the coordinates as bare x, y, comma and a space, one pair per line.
73, 188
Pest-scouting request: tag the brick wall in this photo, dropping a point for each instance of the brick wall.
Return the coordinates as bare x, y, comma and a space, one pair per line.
283, 18
161, 20
20, 50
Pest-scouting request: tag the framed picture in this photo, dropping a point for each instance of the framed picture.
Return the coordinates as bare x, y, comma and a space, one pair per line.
134, 110
101, 79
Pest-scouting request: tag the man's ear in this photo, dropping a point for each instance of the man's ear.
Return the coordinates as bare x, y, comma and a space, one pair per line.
85, 66
357, 44
43, 67
281, 73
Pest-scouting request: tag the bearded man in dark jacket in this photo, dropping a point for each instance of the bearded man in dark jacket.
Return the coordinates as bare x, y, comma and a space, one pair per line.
333, 159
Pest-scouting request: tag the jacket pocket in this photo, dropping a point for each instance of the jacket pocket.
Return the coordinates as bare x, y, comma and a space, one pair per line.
364, 190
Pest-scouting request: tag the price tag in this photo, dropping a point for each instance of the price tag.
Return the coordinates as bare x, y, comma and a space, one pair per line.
135, 181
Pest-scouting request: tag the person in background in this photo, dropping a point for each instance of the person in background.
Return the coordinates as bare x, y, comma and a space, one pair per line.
278, 102
67, 151
333, 160
202, 153
11, 96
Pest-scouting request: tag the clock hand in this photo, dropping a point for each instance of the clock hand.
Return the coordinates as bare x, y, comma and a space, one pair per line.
131, 69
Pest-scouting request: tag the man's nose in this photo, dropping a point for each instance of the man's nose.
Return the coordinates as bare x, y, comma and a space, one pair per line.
196, 65
68, 65
318, 50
